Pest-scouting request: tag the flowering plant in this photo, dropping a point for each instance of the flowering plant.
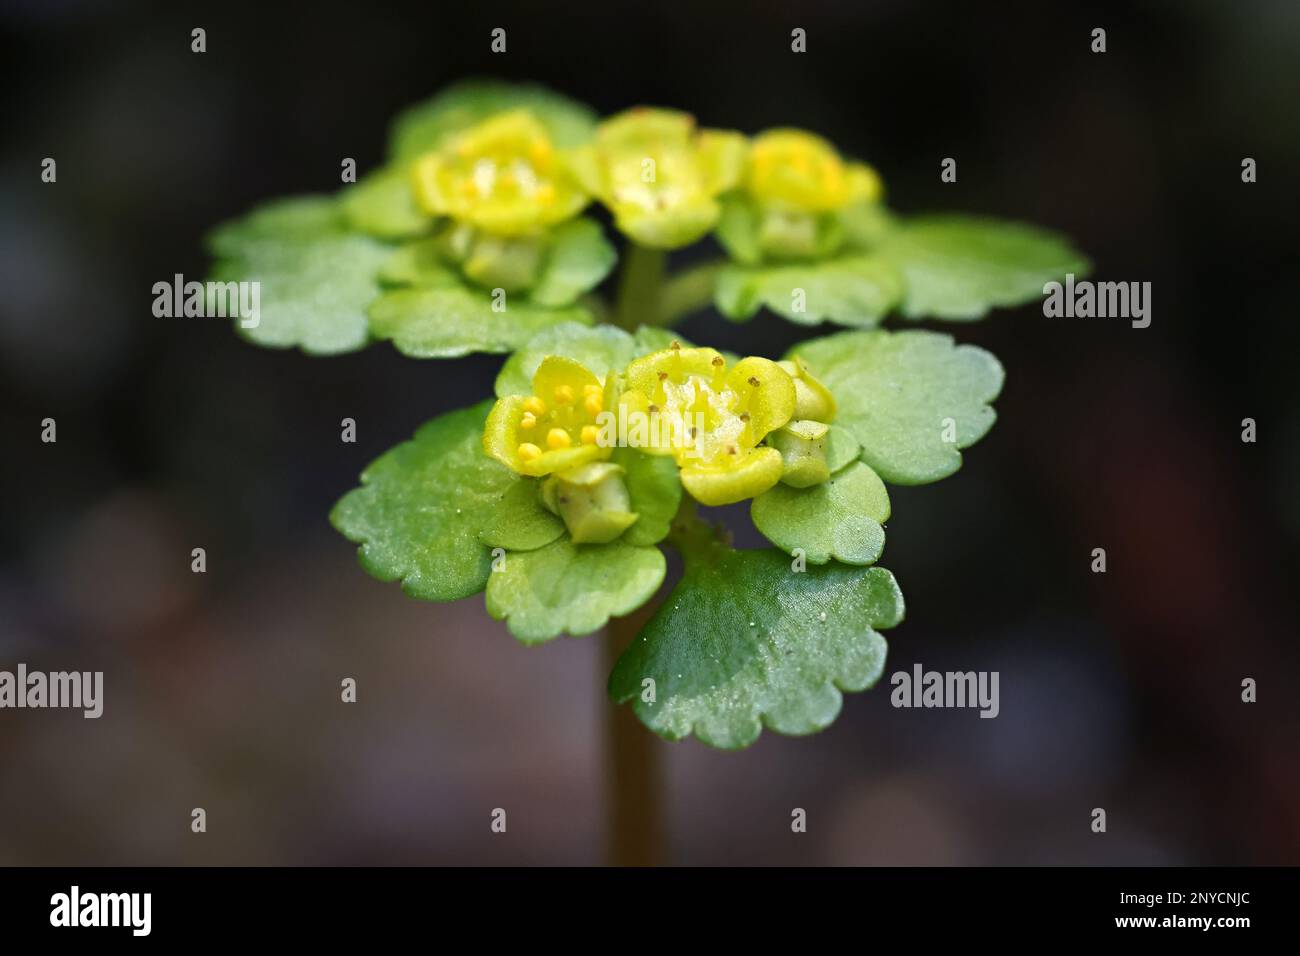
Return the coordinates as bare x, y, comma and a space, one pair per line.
482, 233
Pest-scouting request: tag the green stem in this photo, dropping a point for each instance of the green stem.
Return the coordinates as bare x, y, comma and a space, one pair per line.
694, 538
633, 778
640, 287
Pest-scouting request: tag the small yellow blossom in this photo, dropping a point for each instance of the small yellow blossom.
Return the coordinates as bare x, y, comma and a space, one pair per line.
503, 177
660, 175
793, 170
724, 414
552, 429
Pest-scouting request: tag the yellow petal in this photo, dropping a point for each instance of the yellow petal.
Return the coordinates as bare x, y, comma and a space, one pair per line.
750, 474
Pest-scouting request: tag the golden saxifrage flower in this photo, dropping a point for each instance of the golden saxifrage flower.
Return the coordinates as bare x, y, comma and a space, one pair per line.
554, 433
553, 429
660, 175
503, 177
724, 415
795, 187
501, 185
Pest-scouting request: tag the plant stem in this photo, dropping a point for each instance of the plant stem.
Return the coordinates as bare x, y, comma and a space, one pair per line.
640, 287
633, 782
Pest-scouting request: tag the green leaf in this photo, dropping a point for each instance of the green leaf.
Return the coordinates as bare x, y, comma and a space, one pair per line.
572, 588
292, 219
745, 642
577, 259
841, 449
520, 522
426, 125
315, 276
854, 290
737, 229
599, 348
903, 395
420, 507
453, 321
651, 338
841, 518
419, 263
655, 490
382, 204
957, 267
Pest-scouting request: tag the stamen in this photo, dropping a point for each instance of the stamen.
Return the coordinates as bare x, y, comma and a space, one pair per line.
589, 434
528, 421
563, 394
528, 451
535, 405
558, 438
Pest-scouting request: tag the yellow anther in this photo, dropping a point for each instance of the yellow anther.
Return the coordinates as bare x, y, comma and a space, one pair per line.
540, 152
594, 401
528, 451
558, 438
563, 394
545, 194
589, 434
535, 405
528, 421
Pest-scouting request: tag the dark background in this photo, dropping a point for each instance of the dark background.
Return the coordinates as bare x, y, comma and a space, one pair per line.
1119, 690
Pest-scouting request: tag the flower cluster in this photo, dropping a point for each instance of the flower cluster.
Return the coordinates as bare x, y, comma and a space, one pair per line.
499, 188
737, 431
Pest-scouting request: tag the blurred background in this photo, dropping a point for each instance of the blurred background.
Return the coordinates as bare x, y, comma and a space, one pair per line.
1118, 690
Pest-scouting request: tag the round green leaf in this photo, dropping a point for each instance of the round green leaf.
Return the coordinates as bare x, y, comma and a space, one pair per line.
598, 348
567, 588
745, 642
446, 322
382, 204
655, 490
418, 263
577, 259
959, 267
841, 518
426, 125
520, 522
421, 505
315, 276
841, 449
911, 399
855, 290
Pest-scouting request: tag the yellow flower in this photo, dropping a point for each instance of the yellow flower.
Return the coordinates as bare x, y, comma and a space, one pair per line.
502, 177
724, 414
659, 175
553, 429
793, 170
